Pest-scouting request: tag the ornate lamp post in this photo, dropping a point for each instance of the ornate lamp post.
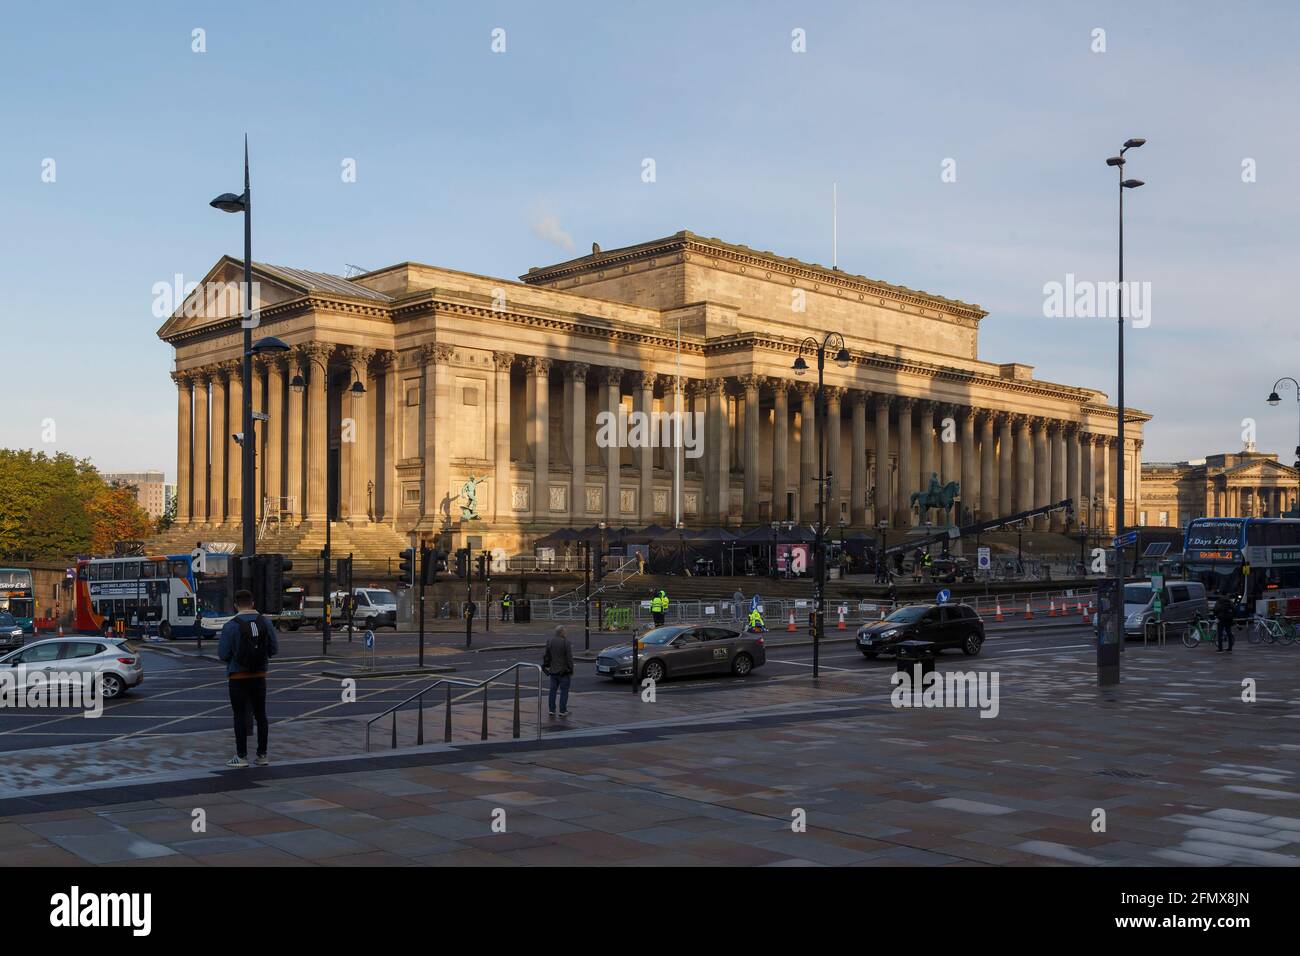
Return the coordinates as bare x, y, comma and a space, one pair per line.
1275, 399
298, 384
841, 358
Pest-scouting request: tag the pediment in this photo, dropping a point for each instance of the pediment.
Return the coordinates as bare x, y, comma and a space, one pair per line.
1262, 469
218, 297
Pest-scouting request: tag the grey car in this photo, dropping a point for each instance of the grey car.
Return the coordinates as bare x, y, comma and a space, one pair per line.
112, 657
1183, 604
11, 633
682, 650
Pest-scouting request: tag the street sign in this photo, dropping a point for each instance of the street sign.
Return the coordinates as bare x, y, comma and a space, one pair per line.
984, 558
1124, 540
755, 603
370, 640
942, 596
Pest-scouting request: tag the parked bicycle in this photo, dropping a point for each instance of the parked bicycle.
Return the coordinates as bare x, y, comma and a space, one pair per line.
1199, 632
1268, 630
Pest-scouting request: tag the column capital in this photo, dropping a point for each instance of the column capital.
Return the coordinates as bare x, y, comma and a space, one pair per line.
203, 374
882, 401
834, 393
859, 396
503, 360
382, 361
435, 352
925, 406
778, 384
577, 371
361, 355
982, 415
183, 379
905, 403
947, 410
750, 381
261, 363
1072, 430
313, 351
716, 386
536, 365
805, 389
612, 375
645, 379
695, 387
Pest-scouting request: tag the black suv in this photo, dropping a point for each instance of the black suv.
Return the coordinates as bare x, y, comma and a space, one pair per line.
947, 625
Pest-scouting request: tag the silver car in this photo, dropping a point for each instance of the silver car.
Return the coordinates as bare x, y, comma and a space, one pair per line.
112, 657
679, 650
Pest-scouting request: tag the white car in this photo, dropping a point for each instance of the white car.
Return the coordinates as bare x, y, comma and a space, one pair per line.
375, 607
112, 657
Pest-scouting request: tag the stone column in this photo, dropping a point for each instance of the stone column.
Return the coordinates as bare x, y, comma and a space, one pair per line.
501, 509
1025, 487
807, 452
539, 372
294, 450
751, 510
1006, 463
259, 430
275, 430
1136, 472
780, 449
199, 472
184, 415
613, 454
645, 403
234, 453
925, 435
386, 505
906, 476
220, 441
576, 382
948, 439
1042, 470
833, 394
970, 472
1087, 478
722, 460
1059, 471
858, 465
883, 494
360, 454
1073, 490
988, 466
317, 503
1104, 473
437, 397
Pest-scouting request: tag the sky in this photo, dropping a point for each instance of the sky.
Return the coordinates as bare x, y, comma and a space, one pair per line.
492, 162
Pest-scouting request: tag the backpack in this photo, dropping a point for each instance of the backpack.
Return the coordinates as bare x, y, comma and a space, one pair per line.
251, 651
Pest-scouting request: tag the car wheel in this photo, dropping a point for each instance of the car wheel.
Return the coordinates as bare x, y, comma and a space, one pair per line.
653, 671
114, 686
742, 665
165, 631
971, 646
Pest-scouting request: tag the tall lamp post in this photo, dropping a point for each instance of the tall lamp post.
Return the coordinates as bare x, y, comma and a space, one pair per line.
356, 391
842, 359
1108, 651
229, 202
1275, 399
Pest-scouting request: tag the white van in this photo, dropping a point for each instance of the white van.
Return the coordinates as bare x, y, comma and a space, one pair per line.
374, 607
1182, 604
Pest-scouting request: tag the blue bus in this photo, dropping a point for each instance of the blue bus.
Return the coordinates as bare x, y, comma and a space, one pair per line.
17, 596
1243, 558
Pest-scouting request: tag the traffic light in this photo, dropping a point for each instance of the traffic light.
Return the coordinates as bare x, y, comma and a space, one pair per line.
407, 568
271, 576
462, 562
480, 566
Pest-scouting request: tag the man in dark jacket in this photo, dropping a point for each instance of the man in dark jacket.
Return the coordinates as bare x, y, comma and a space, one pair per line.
247, 643
1225, 612
558, 663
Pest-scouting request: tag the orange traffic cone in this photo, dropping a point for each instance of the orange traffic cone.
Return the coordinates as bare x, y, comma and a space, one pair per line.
1029, 612
840, 626
60, 630
1087, 613
790, 626
1051, 612
998, 615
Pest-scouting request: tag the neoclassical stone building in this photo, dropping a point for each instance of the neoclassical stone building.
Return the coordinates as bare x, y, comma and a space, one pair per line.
1248, 483
473, 376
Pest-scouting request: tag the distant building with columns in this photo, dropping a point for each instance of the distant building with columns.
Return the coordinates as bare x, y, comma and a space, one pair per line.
1246, 484
474, 376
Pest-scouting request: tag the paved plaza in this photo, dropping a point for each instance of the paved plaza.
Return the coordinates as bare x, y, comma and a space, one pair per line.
1186, 772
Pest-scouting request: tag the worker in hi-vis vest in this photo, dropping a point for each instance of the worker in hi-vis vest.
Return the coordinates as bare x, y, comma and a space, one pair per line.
658, 605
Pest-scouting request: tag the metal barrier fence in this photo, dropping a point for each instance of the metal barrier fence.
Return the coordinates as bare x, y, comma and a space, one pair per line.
622, 614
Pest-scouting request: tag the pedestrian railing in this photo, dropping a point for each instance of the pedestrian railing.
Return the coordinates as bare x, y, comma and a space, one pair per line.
448, 683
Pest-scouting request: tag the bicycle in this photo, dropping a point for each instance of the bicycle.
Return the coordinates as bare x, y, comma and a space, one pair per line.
1267, 630
1199, 632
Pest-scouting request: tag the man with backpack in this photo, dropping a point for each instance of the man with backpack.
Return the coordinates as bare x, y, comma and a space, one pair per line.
1225, 613
247, 644
557, 662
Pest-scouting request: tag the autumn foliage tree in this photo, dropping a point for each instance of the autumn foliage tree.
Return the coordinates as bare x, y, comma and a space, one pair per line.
58, 506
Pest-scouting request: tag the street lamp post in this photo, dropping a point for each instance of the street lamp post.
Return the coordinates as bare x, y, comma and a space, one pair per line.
842, 359
1108, 652
1275, 399
298, 384
776, 546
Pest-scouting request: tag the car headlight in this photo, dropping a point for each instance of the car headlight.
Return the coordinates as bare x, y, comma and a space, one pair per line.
1134, 618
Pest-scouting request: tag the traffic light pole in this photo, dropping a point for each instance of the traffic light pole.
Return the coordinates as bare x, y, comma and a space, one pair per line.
586, 598
487, 594
469, 602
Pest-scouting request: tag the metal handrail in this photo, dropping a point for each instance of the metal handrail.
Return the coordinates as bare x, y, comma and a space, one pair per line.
459, 682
